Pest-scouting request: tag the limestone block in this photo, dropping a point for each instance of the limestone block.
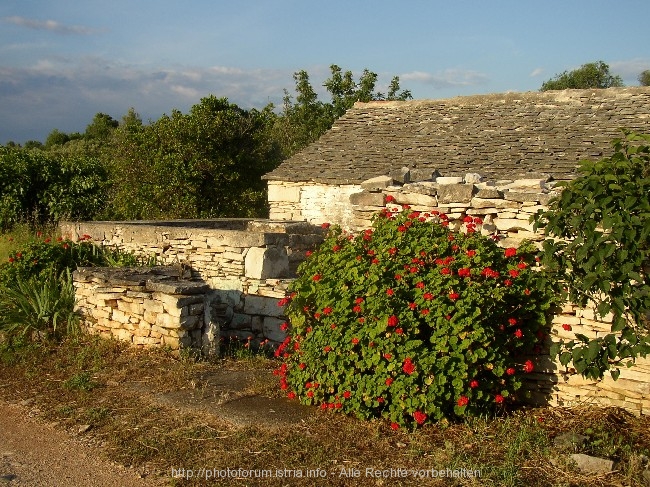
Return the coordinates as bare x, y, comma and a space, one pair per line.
176, 300
458, 193
449, 180
282, 192
423, 174
130, 308
512, 224
401, 175
416, 199
259, 305
380, 182
120, 316
152, 305
240, 321
521, 196
123, 335
477, 202
366, 198
264, 263
489, 193
473, 178
271, 329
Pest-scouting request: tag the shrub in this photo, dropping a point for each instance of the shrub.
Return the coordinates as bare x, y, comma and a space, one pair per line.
41, 307
413, 322
599, 249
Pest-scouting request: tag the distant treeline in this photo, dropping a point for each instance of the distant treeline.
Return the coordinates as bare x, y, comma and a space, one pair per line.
204, 164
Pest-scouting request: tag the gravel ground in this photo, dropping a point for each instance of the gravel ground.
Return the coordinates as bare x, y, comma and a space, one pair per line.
36, 454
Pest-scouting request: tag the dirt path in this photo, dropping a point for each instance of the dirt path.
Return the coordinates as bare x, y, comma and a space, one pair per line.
35, 454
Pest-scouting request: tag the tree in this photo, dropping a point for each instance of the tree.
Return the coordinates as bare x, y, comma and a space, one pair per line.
101, 127
644, 78
590, 75
308, 118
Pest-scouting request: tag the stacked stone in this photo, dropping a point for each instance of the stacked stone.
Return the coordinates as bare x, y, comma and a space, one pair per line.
504, 206
144, 306
248, 265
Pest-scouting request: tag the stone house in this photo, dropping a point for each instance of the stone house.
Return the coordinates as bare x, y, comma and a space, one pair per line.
504, 142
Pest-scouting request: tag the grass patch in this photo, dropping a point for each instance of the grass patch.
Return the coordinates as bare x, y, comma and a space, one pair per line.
85, 381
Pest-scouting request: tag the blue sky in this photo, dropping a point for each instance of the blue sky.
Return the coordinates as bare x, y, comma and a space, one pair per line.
63, 61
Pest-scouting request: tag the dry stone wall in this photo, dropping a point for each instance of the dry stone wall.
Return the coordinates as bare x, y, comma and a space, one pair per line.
505, 207
245, 266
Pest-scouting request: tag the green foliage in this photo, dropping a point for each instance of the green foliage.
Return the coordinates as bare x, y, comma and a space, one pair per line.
644, 78
412, 322
39, 307
590, 75
599, 250
207, 163
308, 118
41, 187
101, 128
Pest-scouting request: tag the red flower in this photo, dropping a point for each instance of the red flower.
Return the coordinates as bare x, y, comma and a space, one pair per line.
327, 310
394, 426
528, 366
462, 401
454, 296
398, 277
512, 321
427, 296
317, 316
413, 270
380, 400
473, 384
513, 273
446, 271
66, 246
308, 253
316, 277
522, 265
388, 356
507, 282
408, 366
11, 259
425, 311
357, 309
464, 272
284, 326
355, 341
413, 305
336, 248
511, 252
328, 348
399, 331
358, 301
302, 366
47, 240
468, 219
390, 198
393, 320
291, 395
389, 381
310, 393
471, 253
518, 333
567, 327
510, 371
347, 394
498, 398
401, 228
392, 250
419, 417
420, 285
527, 292
325, 225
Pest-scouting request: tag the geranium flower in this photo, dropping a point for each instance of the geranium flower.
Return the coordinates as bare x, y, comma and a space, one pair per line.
471, 253
325, 225
454, 296
347, 394
420, 285
567, 327
473, 384
510, 371
510, 252
465, 272
393, 320
519, 333
355, 341
394, 426
316, 277
327, 310
284, 326
498, 398
462, 401
528, 366
513, 273
408, 367
399, 331
419, 417
389, 381
388, 356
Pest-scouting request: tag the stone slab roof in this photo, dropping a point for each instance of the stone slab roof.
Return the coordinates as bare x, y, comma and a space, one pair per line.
500, 136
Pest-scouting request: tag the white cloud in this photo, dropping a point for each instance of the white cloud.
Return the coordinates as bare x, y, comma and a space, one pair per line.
536, 72
50, 25
446, 79
629, 69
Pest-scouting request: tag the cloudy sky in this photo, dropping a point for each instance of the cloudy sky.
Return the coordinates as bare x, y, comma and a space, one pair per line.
63, 61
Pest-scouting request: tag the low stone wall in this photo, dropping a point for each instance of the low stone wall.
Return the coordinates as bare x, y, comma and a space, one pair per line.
147, 307
246, 264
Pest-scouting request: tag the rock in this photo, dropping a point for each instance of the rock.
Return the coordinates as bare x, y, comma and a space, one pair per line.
380, 182
570, 441
589, 464
489, 193
455, 193
423, 175
449, 180
83, 428
367, 199
401, 175
473, 178
646, 477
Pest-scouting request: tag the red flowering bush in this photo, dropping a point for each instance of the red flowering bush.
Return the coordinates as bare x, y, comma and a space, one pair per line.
413, 322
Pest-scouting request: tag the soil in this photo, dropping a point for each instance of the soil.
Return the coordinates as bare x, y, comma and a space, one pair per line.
35, 453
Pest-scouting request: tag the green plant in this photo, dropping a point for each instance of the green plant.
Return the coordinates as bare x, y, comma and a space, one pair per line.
42, 306
81, 381
413, 322
599, 250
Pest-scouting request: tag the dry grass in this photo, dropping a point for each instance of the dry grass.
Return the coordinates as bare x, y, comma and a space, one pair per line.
84, 381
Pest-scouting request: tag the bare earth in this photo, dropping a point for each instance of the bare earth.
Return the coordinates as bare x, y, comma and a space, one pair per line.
35, 454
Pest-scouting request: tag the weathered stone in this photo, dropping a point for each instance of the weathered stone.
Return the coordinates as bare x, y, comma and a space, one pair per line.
423, 174
521, 197
177, 287
259, 305
489, 193
473, 178
509, 224
264, 263
415, 199
240, 321
271, 329
457, 193
594, 465
477, 202
401, 175
423, 187
449, 180
367, 199
569, 441
176, 300
380, 182
283, 192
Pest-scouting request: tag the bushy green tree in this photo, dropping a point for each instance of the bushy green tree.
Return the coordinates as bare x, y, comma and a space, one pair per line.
207, 163
590, 75
644, 78
599, 250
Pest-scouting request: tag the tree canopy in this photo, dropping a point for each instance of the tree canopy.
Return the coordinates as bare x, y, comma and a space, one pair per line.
590, 75
644, 78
